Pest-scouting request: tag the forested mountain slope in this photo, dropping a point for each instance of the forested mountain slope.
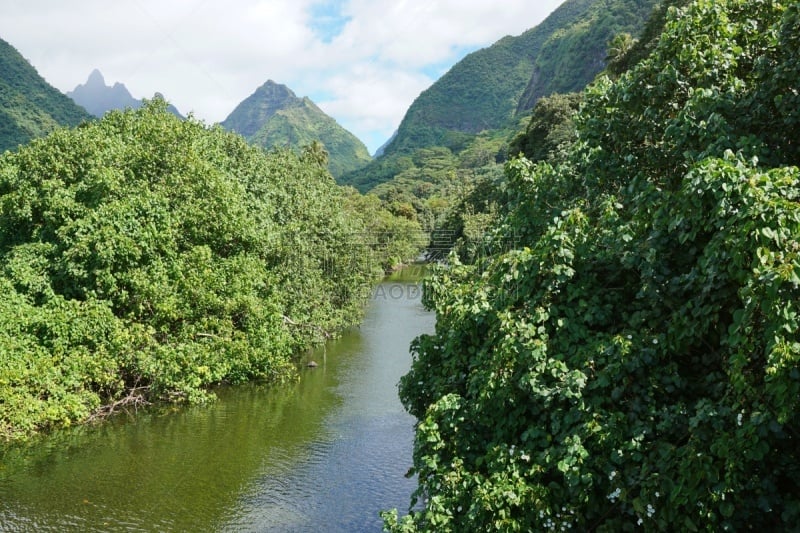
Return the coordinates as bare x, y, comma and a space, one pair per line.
29, 106
273, 116
574, 54
486, 91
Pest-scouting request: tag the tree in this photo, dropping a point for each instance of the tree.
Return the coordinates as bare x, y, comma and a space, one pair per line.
316, 153
618, 48
551, 128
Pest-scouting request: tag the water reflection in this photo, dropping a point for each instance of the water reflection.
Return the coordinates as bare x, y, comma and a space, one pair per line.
326, 453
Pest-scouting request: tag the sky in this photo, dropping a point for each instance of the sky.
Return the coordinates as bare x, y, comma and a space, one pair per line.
362, 61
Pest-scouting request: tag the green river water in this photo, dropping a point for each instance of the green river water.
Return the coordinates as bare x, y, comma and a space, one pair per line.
324, 454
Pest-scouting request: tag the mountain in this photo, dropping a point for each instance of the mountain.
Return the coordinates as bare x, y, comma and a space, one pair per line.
29, 106
274, 116
98, 98
493, 88
572, 56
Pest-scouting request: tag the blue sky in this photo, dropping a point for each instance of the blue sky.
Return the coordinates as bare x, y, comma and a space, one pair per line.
328, 20
362, 61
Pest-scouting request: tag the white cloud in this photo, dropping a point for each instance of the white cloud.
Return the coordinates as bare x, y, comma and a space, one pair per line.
365, 98
207, 56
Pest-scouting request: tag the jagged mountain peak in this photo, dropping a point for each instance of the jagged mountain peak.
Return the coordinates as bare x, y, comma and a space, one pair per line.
96, 78
276, 89
258, 108
97, 97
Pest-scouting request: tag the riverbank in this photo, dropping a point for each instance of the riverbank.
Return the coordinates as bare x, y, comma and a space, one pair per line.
330, 449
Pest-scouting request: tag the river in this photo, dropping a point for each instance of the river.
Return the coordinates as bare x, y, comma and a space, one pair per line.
324, 454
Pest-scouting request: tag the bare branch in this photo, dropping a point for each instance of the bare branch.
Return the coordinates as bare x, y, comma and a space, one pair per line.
134, 398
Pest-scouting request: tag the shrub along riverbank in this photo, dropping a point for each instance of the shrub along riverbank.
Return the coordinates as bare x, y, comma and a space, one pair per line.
147, 258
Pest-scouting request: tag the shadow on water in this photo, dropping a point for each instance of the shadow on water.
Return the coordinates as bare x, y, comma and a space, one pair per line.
327, 453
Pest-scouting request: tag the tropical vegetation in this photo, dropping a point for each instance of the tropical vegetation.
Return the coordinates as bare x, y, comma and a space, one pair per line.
633, 360
144, 258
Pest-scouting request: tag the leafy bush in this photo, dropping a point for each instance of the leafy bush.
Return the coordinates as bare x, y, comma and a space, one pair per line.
634, 362
143, 257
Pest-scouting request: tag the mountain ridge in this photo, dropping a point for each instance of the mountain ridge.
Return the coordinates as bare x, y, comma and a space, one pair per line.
490, 90
495, 77
98, 98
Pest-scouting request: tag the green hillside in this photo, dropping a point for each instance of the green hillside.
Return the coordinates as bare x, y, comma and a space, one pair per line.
491, 89
29, 106
482, 91
576, 52
274, 116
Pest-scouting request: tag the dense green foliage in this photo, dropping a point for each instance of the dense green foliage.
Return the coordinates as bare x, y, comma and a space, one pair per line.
29, 106
648, 38
431, 179
274, 117
147, 258
468, 214
396, 238
550, 129
633, 362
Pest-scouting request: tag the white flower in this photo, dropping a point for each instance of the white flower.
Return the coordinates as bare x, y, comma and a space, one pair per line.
739, 419
650, 510
614, 495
